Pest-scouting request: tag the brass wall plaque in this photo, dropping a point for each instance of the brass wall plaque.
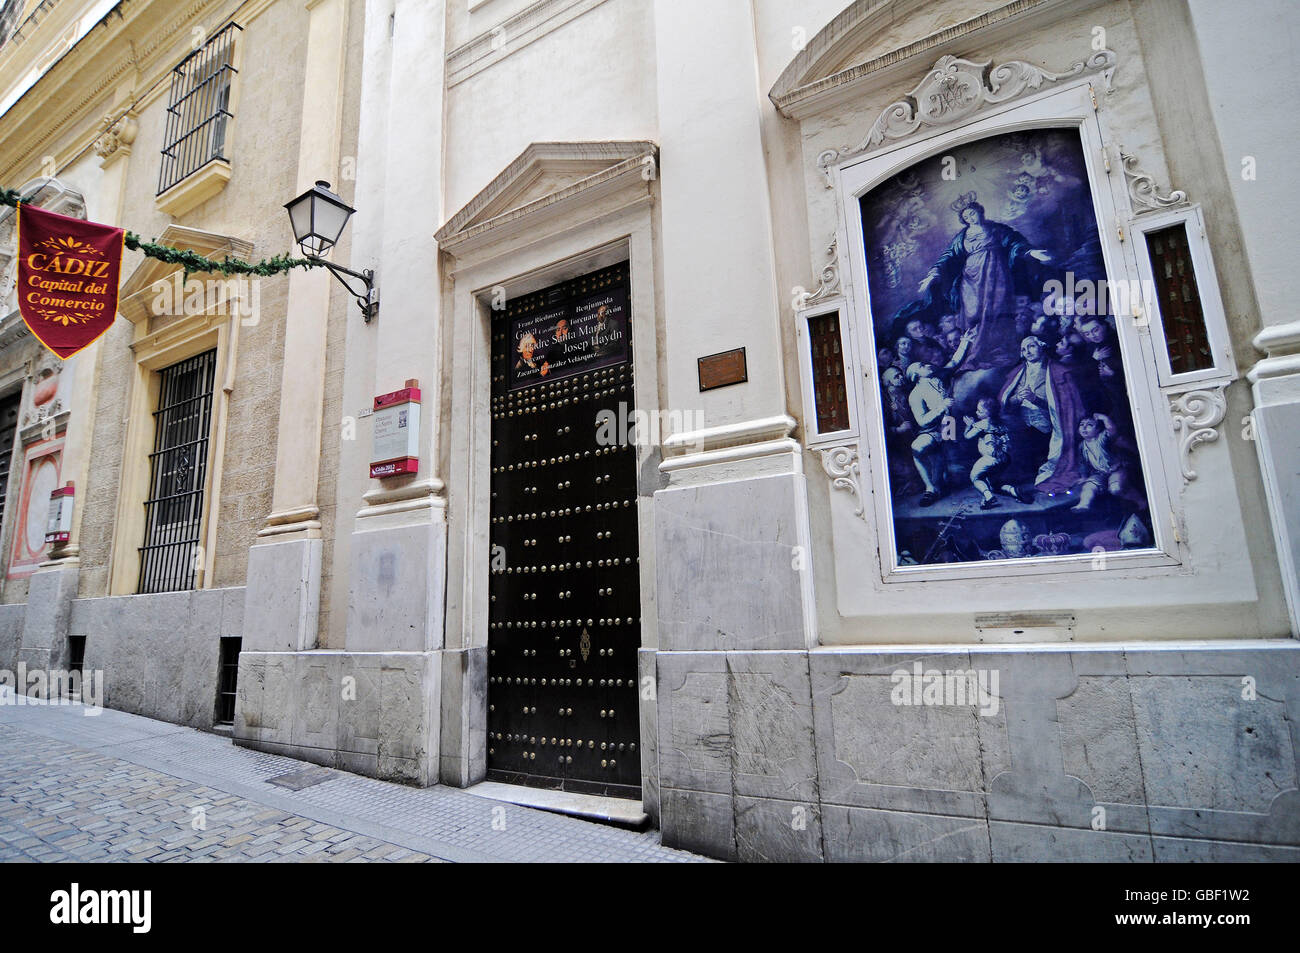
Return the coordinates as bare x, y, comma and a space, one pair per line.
723, 368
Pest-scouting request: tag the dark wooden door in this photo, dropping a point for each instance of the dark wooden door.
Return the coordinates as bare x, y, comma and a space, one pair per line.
564, 613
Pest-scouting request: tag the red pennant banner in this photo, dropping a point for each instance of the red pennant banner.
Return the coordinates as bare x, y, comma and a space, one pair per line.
67, 278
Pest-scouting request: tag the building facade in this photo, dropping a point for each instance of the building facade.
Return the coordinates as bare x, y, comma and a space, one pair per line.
848, 431
185, 123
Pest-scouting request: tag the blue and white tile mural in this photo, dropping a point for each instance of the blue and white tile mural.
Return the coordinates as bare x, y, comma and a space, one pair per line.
1008, 425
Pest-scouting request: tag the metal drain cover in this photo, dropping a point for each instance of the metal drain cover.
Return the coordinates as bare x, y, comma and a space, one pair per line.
297, 780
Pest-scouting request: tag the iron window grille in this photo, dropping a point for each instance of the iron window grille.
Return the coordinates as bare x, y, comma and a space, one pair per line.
177, 468
227, 679
198, 109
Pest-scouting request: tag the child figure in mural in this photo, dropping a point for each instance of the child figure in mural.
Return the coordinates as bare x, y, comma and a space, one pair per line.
994, 446
1107, 466
930, 403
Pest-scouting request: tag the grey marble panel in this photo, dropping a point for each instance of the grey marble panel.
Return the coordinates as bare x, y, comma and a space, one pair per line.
410, 687
232, 611
695, 746
317, 696
698, 821
463, 747
873, 752
11, 634
1099, 738
776, 831
45, 621
649, 731
391, 601
858, 835
771, 719
1279, 825
1204, 746
250, 690
726, 565
359, 707
1173, 850
1036, 786
282, 598
1041, 843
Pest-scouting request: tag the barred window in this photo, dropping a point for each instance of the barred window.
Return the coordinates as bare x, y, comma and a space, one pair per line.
198, 109
228, 679
177, 469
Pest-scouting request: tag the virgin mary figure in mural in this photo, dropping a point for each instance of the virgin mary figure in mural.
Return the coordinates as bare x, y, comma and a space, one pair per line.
975, 281
1042, 395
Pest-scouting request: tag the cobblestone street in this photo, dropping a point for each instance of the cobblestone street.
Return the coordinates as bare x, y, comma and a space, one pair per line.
118, 787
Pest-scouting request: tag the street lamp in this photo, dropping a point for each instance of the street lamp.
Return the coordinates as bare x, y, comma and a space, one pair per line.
318, 217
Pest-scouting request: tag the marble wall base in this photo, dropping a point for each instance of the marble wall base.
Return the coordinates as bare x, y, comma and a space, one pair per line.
283, 596
44, 642
160, 653
1278, 443
1181, 752
734, 565
11, 634
463, 758
396, 600
371, 713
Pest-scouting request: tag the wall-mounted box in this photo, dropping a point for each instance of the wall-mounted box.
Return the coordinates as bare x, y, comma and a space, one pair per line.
396, 433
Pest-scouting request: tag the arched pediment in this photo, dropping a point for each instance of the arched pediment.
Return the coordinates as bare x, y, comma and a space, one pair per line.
871, 36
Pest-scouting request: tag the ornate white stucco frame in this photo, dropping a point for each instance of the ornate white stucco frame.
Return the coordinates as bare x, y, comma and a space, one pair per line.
1071, 108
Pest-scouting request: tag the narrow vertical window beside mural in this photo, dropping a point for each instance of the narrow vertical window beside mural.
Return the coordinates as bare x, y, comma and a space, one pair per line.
1008, 425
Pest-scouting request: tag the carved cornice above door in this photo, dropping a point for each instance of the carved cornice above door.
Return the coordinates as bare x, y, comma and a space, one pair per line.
141, 287
545, 181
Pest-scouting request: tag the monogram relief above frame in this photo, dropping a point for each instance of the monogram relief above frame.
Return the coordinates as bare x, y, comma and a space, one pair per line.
955, 90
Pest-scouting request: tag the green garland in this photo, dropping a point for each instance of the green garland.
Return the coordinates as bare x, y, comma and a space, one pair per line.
191, 262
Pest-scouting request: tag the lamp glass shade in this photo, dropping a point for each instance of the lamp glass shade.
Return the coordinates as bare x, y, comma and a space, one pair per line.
318, 217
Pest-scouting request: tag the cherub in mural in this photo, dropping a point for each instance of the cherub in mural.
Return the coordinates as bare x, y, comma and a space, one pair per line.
994, 446
909, 216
